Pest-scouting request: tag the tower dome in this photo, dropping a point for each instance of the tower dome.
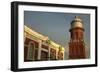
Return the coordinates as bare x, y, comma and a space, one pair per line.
77, 23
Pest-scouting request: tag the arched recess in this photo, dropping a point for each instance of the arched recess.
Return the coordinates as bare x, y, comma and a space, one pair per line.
31, 51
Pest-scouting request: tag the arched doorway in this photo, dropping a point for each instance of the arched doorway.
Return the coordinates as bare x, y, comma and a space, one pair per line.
31, 51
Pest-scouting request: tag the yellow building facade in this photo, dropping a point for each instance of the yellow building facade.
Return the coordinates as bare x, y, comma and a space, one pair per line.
38, 47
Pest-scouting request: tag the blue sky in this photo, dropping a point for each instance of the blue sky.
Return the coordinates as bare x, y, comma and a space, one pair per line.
56, 26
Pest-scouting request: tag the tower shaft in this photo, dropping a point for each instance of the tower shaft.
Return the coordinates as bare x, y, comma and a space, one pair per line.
77, 44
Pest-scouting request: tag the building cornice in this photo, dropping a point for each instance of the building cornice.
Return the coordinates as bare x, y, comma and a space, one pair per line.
40, 36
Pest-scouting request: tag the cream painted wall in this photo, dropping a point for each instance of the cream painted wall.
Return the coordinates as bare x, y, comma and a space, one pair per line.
5, 17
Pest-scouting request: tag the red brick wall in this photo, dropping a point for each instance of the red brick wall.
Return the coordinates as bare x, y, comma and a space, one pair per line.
76, 45
25, 53
76, 50
77, 34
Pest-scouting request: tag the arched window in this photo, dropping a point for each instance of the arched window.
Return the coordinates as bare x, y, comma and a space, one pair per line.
30, 54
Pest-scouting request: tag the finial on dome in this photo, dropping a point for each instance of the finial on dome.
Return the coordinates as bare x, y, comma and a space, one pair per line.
77, 17
77, 22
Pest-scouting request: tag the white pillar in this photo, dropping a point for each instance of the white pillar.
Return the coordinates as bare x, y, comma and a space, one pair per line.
39, 50
49, 52
56, 54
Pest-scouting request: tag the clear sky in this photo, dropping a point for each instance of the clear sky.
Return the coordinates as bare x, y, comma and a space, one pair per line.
56, 26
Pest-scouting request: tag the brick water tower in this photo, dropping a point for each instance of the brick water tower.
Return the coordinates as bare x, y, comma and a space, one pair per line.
77, 44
